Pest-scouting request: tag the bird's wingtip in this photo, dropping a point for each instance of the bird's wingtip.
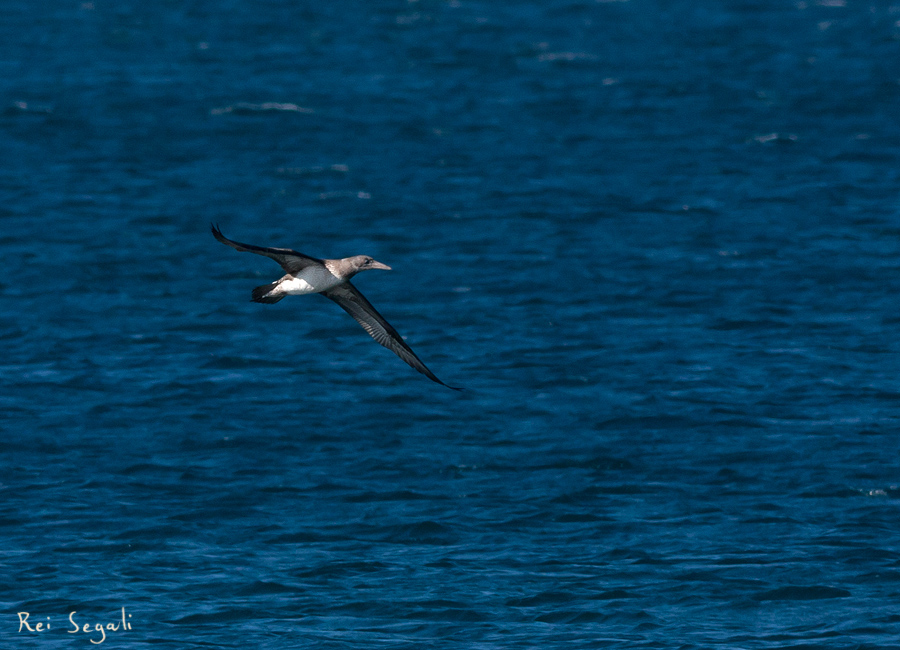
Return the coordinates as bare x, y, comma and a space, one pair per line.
217, 233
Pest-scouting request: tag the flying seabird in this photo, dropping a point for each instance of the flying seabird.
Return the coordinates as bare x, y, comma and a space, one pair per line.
330, 278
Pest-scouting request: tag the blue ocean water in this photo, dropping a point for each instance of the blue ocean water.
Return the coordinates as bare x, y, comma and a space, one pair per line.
657, 242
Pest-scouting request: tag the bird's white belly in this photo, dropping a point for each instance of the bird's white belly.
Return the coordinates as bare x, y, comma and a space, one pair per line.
314, 279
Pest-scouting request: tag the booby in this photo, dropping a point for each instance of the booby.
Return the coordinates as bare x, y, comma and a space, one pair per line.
330, 278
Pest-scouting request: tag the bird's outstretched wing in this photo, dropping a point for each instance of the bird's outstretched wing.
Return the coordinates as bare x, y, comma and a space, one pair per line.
291, 261
355, 304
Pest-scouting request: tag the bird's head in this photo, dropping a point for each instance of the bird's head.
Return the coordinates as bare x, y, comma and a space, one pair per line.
366, 263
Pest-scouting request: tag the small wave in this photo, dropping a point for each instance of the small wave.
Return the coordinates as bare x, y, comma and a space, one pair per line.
830, 492
425, 532
392, 495
26, 107
301, 538
776, 137
544, 598
344, 194
567, 56
613, 594
309, 171
222, 616
245, 108
342, 570
262, 588
599, 462
148, 468
815, 592
444, 610
572, 617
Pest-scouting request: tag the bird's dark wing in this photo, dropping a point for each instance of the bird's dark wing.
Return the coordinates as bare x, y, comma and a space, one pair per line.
355, 304
291, 261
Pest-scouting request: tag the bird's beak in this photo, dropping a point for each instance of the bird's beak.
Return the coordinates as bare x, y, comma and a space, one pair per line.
379, 265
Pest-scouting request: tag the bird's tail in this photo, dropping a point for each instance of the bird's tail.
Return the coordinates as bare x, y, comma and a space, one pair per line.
267, 294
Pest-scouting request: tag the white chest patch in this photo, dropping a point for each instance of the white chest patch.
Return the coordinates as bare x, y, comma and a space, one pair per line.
312, 279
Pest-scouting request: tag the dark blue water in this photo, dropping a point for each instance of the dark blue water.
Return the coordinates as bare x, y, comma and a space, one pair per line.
658, 243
